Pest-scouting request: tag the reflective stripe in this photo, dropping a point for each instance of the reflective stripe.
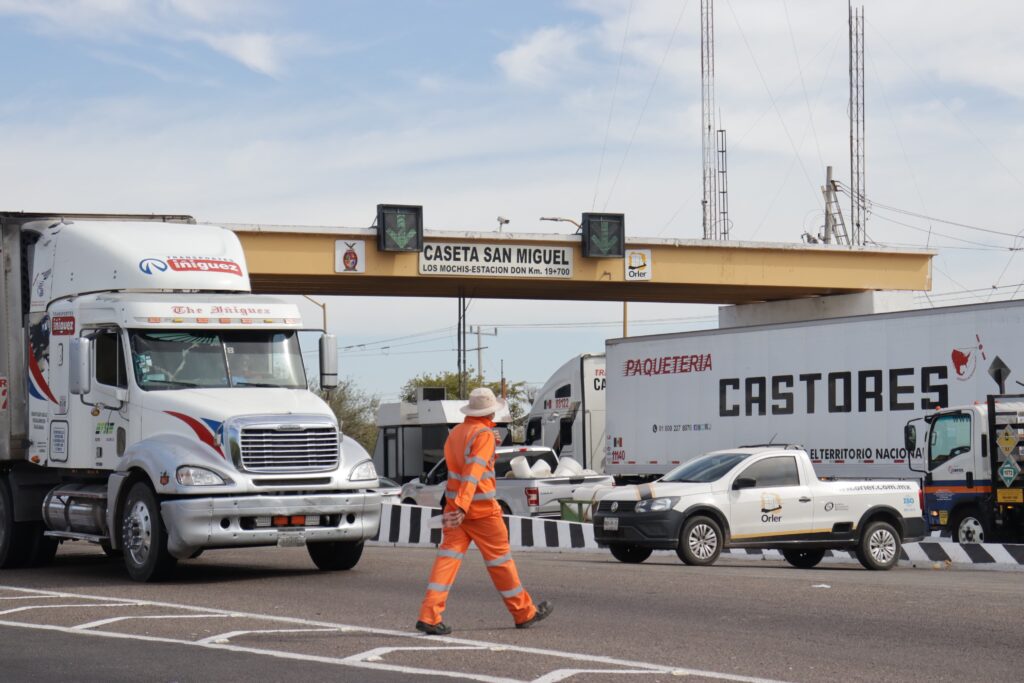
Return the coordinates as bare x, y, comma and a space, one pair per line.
452, 476
476, 459
471, 478
512, 593
489, 474
498, 560
442, 588
490, 495
450, 495
469, 444
454, 554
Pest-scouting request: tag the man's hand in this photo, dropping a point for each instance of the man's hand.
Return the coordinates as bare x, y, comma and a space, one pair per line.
453, 519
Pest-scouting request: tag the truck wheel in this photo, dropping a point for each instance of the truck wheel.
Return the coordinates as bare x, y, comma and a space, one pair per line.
15, 541
335, 555
629, 552
143, 536
968, 526
42, 548
879, 546
700, 542
803, 559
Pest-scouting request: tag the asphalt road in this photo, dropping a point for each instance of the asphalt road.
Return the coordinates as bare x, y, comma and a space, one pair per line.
267, 614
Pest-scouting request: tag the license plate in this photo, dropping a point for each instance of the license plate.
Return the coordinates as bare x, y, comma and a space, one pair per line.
611, 523
291, 539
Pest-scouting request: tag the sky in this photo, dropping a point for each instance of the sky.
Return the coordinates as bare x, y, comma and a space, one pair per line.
313, 112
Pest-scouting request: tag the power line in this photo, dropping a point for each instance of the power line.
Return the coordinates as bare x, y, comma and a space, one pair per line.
611, 108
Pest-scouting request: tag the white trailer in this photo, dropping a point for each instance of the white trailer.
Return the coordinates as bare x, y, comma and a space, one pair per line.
151, 404
568, 413
842, 388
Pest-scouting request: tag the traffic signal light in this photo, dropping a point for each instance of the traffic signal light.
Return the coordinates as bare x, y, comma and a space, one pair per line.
399, 228
604, 235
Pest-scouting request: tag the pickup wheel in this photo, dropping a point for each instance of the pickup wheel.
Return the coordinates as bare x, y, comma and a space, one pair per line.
803, 559
969, 526
409, 501
879, 546
700, 542
144, 537
335, 556
505, 509
15, 539
629, 552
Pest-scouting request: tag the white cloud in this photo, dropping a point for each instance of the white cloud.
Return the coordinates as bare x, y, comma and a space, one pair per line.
542, 58
258, 51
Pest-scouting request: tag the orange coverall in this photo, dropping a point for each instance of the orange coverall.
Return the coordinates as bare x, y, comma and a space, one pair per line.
469, 454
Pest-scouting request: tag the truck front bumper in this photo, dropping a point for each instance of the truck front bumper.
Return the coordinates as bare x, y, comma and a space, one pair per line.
195, 524
659, 530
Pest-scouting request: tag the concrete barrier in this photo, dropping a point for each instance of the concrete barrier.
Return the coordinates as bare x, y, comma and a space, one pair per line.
409, 526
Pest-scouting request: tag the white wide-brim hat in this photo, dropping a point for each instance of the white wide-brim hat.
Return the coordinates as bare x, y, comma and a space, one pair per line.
482, 402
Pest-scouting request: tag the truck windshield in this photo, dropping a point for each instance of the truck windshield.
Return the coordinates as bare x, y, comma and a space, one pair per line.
165, 359
706, 468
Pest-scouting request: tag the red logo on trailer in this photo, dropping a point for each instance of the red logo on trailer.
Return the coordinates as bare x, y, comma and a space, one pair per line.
3, 393
62, 325
190, 264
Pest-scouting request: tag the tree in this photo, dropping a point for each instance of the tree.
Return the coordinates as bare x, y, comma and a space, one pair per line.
515, 392
356, 411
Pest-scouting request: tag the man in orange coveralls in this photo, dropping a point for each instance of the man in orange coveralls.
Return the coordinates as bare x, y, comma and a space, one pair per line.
472, 514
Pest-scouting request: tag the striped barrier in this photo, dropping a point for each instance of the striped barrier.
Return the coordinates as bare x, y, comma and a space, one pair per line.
409, 526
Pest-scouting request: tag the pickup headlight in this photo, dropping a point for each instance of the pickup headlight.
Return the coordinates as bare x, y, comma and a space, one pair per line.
363, 472
188, 475
657, 504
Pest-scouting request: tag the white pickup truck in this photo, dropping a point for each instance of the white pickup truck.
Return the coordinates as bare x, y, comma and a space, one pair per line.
763, 497
516, 496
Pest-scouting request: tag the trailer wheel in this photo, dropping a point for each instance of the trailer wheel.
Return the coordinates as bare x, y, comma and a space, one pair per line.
629, 553
700, 542
143, 536
803, 559
879, 546
969, 526
333, 556
15, 540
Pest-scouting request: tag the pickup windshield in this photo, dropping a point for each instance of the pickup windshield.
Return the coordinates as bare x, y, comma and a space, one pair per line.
186, 359
705, 469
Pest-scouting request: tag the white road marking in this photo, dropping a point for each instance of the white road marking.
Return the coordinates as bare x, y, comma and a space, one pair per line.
26, 608
112, 620
226, 637
562, 674
30, 597
353, 661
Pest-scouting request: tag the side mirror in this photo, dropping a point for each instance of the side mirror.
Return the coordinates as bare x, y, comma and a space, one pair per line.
910, 437
743, 483
80, 362
328, 361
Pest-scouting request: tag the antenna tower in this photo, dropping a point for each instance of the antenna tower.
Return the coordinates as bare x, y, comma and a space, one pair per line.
709, 203
723, 188
858, 202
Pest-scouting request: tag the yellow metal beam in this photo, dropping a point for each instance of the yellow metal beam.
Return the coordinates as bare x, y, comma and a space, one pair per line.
301, 260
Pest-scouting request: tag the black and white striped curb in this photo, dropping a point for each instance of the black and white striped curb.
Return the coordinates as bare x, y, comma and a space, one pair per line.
409, 525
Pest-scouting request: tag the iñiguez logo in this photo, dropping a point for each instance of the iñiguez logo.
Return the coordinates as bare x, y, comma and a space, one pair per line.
151, 266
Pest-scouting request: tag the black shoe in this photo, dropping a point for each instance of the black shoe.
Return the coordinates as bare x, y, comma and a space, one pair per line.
544, 610
438, 629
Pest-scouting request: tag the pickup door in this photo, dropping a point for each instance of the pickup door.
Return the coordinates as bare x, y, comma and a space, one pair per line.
780, 504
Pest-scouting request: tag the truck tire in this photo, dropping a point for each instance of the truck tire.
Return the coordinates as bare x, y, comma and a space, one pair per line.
879, 546
15, 540
803, 559
969, 526
629, 552
700, 542
335, 556
143, 536
42, 548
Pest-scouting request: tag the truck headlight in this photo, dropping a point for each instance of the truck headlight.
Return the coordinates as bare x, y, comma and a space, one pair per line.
657, 504
189, 475
363, 471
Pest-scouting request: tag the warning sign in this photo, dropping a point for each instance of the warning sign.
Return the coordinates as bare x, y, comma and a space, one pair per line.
1008, 471
1007, 440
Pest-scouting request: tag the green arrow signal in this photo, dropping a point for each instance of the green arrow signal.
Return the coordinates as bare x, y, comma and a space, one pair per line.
602, 240
402, 234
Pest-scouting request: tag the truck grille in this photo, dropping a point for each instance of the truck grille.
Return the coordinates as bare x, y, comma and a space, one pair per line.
311, 449
624, 505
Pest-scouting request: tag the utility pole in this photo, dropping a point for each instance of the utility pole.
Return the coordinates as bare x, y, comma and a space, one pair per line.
858, 203
480, 350
707, 106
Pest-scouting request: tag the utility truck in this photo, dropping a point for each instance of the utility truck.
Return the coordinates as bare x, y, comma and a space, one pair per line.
972, 470
568, 412
151, 404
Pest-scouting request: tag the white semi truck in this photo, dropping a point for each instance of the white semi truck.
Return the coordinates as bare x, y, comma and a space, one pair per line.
843, 388
568, 412
151, 404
